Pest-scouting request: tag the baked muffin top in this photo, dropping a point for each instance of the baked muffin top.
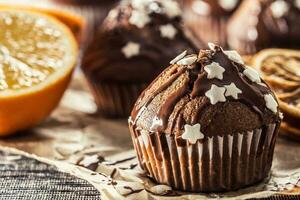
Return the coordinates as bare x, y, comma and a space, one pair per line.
136, 41
214, 90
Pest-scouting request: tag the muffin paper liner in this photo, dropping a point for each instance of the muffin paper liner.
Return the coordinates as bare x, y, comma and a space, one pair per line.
116, 100
214, 164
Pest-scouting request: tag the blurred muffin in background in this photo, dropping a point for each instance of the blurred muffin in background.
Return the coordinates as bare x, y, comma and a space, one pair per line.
133, 45
94, 11
258, 24
85, 2
208, 18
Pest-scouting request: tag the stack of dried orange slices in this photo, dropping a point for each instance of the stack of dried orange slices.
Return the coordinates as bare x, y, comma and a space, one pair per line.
37, 56
281, 69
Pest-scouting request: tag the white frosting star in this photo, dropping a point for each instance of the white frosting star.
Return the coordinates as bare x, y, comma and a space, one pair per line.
139, 18
281, 115
201, 7
211, 45
188, 60
168, 31
179, 57
297, 3
139, 4
279, 8
216, 94
192, 133
88, 160
131, 49
228, 4
235, 56
171, 8
232, 90
214, 70
252, 74
271, 103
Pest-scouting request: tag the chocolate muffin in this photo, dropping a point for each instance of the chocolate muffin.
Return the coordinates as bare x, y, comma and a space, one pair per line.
134, 44
258, 24
208, 18
93, 11
208, 123
85, 2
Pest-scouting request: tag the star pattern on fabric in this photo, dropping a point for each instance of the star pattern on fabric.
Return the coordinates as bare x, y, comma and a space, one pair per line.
192, 133
216, 94
271, 103
131, 49
168, 31
232, 90
214, 70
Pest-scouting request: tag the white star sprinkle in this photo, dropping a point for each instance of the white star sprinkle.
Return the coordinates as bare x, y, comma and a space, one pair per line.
214, 70
232, 90
131, 49
228, 4
271, 103
281, 115
297, 3
139, 18
216, 94
211, 45
252, 74
139, 4
192, 133
188, 60
179, 57
168, 31
234, 56
279, 8
171, 8
88, 160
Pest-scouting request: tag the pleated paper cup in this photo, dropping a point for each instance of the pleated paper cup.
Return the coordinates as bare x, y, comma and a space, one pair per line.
115, 99
214, 164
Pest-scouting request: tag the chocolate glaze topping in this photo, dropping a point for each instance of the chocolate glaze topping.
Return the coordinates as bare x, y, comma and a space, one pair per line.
179, 96
104, 59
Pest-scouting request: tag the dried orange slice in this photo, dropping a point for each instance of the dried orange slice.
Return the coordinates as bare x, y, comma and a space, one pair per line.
281, 69
37, 57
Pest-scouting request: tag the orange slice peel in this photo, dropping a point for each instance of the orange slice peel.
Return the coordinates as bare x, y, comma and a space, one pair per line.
37, 56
